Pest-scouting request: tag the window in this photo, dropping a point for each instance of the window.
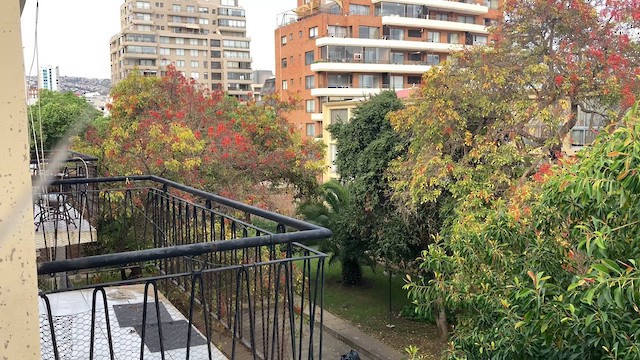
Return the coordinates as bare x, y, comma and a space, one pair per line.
414, 80
311, 129
467, 19
339, 31
216, 65
396, 34
203, 10
191, 8
159, 4
229, 2
195, 75
308, 58
313, 32
333, 150
453, 38
480, 40
338, 116
180, 63
491, 4
396, 82
433, 59
433, 36
441, 17
232, 23
309, 82
206, 76
194, 64
145, 27
165, 62
164, 51
216, 76
216, 55
283, 40
300, 33
215, 43
310, 105
283, 62
368, 81
355, 9
235, 44
284, 85
193, 52
145, 17
175, 7
414, 33
179, 40
236, 54
143, 5
368, 32
180, 52
203, 21
397, 58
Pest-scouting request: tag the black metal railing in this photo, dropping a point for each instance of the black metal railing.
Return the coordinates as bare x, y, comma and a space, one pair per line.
143, 267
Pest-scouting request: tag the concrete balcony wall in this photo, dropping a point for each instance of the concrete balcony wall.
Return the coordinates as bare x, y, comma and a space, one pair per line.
19, 324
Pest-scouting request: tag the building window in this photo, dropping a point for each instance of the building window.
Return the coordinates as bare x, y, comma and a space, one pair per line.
194, 64
311, 129
283, 40
180, 63
480, 40
414, 80
300, 33
313, 32
368, 81
195, 75
309, 82
433, 59
283, 63
310, 105
175, 7
339, 116
467, 19
308, 58
414, 33
433, 36
203, 10
284, 85
355, 9
491, 4
396, 34
179, 41
143, 5
333, 151
441, 17
397, 58
191, 8
453, 38
180, 52
368, 32
164, 51
396, 82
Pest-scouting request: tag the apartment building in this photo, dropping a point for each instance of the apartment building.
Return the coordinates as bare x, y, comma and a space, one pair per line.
332, 50
49, 78
204, 39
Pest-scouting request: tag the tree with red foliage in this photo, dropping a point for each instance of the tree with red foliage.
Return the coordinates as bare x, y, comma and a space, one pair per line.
174, 128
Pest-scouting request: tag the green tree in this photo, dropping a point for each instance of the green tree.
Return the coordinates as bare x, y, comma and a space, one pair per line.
480, 126
56, 113
333, 209
365, 146
552, 271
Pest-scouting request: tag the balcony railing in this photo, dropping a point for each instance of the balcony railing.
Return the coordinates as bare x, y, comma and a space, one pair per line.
371, 61
143, 267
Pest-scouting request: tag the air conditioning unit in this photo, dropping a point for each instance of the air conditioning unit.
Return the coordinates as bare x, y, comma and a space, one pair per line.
357, 56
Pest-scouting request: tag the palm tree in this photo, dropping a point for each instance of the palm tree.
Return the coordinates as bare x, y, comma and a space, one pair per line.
333, 210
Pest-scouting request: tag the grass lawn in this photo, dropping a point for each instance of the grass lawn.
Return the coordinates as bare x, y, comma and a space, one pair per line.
367, 307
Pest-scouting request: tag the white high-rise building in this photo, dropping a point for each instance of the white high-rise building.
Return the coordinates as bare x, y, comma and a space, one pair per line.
49, 78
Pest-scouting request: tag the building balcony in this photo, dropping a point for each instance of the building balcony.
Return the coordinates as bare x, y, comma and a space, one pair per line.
352, 92
434, 24
462, 7
390, 44
143, 267
366, 66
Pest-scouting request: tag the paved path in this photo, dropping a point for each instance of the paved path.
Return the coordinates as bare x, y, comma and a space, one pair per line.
338, 334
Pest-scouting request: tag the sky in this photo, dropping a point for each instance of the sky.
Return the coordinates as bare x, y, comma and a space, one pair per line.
74, 34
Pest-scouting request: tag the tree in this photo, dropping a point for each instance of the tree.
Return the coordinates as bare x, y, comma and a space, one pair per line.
333, 209
552, 271
481, 125
365, 146
56, 113
173, 128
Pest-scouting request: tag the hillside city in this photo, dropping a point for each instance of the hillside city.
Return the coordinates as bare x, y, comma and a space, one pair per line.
415, 179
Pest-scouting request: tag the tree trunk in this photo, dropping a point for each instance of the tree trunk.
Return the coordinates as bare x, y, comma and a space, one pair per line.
565, 128
441, 320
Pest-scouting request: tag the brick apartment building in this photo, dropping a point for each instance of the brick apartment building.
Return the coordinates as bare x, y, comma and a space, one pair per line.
331, 50
204, 39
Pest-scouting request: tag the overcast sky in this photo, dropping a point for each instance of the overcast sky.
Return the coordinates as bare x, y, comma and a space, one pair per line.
74, 34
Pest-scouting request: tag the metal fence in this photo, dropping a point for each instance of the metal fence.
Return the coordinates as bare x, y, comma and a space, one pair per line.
142, 267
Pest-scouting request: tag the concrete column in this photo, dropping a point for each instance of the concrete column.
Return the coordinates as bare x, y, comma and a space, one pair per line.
19, 326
